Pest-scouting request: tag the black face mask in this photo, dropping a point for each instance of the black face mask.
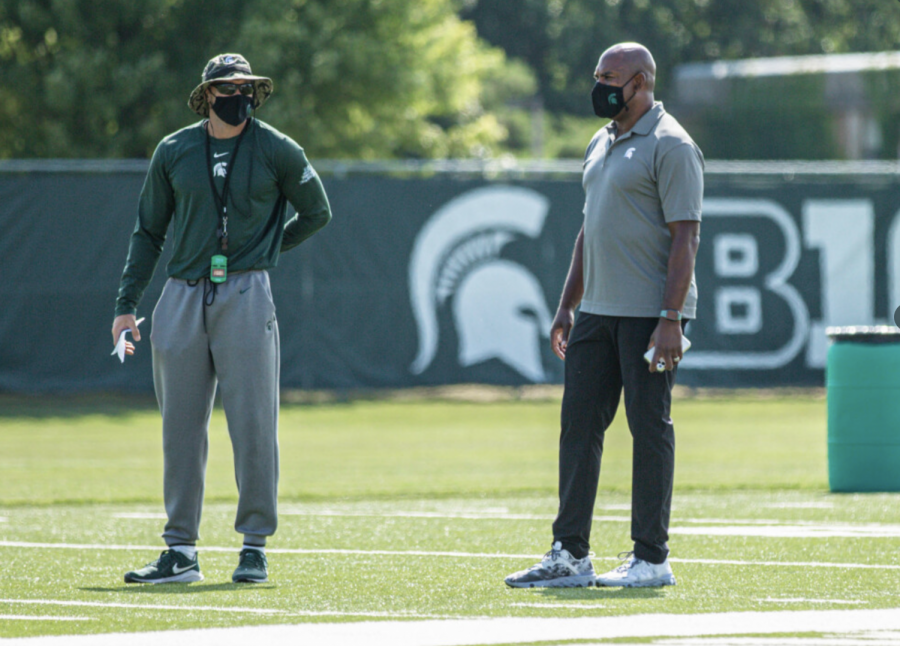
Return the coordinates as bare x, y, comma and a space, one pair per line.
233, 110
609, 100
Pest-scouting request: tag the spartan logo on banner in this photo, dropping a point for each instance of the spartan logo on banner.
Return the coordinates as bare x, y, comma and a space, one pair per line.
497, 305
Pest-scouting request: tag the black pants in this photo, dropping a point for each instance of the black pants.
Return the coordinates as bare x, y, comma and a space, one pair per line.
604, 354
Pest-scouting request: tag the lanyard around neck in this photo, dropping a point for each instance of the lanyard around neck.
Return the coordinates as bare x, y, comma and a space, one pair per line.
222, 200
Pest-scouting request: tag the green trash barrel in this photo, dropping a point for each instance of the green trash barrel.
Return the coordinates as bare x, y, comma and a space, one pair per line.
863, 381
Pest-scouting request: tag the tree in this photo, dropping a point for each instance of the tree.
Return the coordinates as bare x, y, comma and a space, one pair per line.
359, 78
563, 39
370, 79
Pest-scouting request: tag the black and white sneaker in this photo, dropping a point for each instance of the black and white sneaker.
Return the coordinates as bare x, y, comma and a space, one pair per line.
171, 567
558, 569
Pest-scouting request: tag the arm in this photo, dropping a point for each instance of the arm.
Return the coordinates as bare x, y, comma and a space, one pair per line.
155, 208
682, 255
573, 291
303, 189
680, 185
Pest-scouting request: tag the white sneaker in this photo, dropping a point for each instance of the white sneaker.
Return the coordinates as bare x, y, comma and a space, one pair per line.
635, 573
558, 569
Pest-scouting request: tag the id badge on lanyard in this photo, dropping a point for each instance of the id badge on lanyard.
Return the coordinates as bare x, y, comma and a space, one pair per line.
218, 266
218, 269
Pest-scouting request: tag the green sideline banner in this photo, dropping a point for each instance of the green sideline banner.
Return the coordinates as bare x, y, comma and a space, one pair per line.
444, 279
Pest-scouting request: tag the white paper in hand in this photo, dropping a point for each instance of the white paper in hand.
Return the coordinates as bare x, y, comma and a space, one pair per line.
661, 365
120, 344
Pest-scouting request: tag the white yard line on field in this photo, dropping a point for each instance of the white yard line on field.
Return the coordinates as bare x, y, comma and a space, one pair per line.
313, 552
506, 630
135, 606
464, 515
43, 618
817, 564
480, 515
869, 638
331, 513
373, 614
794, 531
212, 548
575, 606
798, 505
801, 600
256, 611
759, 528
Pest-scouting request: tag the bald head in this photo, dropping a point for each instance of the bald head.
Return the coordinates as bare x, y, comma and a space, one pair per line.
621, 62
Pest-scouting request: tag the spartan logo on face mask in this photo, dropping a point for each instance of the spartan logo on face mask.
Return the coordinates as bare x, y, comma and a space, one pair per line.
498, 306
220, 169
609, 100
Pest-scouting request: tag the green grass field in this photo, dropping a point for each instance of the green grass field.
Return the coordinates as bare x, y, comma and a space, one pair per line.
410, 510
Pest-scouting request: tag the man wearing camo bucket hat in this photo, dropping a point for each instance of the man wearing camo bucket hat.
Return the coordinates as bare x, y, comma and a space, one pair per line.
224, 184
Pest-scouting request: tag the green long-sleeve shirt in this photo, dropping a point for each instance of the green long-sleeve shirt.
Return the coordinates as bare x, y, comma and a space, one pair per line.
271, 170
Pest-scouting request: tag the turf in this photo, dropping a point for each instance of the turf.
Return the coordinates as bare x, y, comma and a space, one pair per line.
473, 482
371, 449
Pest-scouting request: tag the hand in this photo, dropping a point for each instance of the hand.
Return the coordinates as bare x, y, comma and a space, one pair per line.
666, 338
559, 331
126, 322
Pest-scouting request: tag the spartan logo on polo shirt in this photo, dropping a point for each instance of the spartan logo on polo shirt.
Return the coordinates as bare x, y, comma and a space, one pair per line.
497, 305
220, 169
629, 153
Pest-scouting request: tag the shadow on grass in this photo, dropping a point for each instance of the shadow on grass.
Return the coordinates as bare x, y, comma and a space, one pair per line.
601, 593
74, 405
115, 403
181, 588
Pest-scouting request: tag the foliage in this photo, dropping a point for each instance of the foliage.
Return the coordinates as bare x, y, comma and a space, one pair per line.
359, 78
381, 78
562, 39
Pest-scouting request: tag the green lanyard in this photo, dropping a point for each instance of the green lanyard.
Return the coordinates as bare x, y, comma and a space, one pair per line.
222, 200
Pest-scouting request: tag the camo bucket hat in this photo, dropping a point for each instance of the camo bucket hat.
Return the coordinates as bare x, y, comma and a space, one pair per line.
228, 67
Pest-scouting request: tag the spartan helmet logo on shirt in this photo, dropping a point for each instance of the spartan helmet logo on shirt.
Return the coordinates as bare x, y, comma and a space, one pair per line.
498, 306
220, 169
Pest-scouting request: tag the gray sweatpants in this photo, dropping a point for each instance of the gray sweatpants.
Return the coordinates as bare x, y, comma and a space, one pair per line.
230, 337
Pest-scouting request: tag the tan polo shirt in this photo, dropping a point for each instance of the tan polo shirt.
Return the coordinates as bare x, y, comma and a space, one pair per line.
634, 186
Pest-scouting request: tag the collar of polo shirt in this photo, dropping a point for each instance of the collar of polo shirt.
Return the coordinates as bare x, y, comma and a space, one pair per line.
645, 124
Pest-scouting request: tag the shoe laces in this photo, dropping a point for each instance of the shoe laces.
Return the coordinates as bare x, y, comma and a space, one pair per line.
253, 558
555, 554
629, 561
164, 558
